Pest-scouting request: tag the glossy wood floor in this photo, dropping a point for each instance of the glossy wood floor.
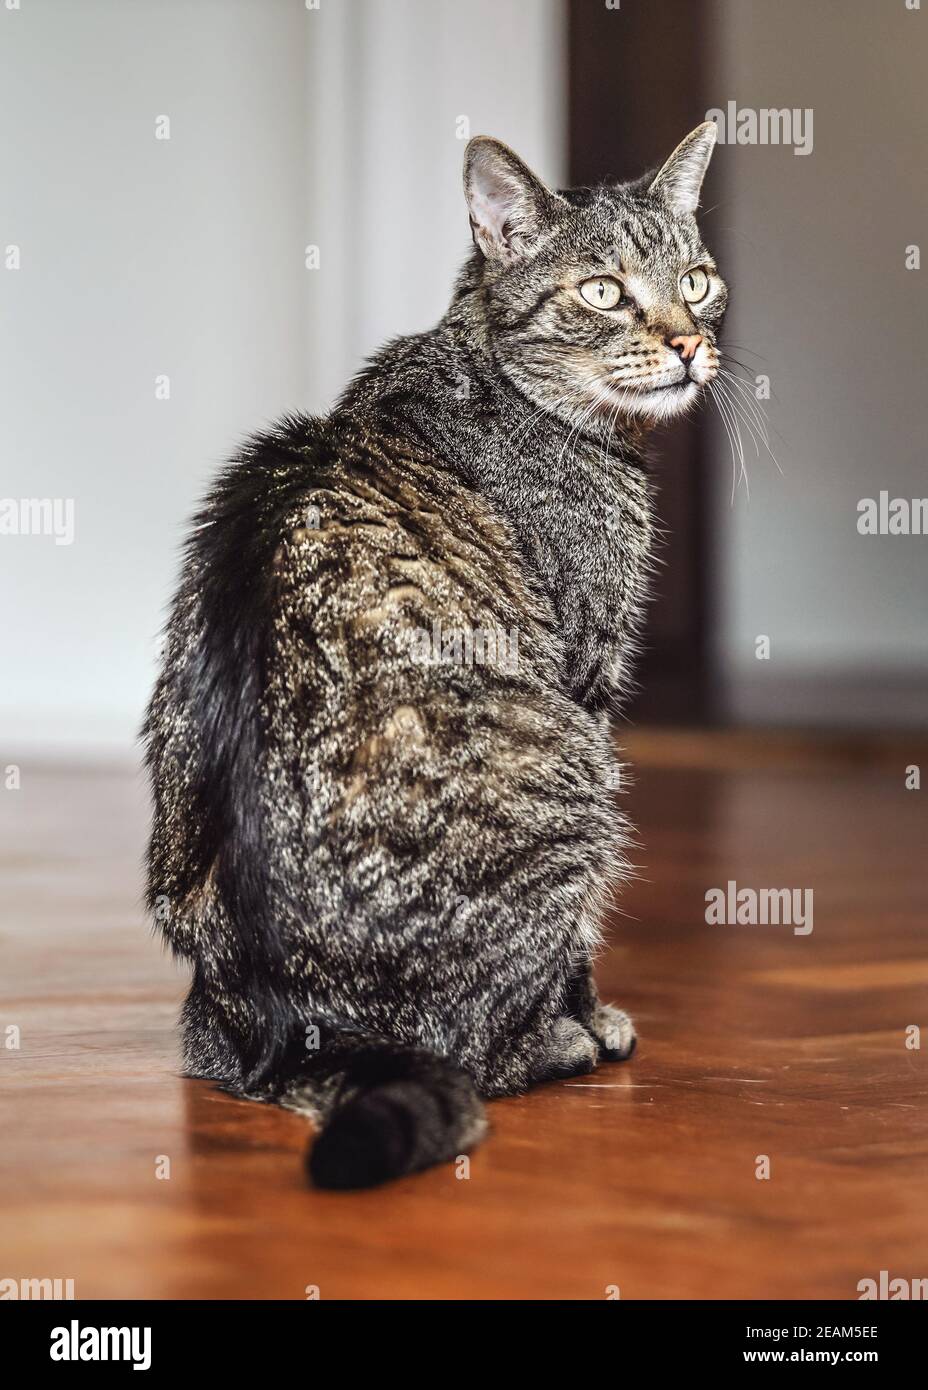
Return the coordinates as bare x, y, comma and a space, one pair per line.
754, 1041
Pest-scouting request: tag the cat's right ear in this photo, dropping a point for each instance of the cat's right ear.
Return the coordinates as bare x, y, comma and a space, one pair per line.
509, 207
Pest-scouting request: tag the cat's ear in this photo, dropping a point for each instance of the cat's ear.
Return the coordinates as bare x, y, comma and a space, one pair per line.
680, 180
509, 207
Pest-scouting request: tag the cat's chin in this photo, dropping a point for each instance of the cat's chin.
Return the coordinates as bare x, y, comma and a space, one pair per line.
661, 403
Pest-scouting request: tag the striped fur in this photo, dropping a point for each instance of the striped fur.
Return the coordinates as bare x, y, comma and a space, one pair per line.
388, 869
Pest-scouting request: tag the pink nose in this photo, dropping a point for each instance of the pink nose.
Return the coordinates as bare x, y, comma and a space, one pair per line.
687, 345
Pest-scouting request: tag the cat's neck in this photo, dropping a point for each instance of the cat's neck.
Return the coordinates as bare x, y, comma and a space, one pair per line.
577, 501
449, 389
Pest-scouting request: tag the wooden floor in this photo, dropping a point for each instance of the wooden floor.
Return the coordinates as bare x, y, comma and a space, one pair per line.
753, 1041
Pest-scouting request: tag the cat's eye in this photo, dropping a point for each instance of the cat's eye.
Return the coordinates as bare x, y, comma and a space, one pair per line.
602, 292
695, 285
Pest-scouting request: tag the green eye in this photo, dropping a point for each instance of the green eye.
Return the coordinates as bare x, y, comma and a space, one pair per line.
602, 292
695, 285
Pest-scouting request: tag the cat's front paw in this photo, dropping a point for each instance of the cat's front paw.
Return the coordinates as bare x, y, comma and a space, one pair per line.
614, 1031
568, 1050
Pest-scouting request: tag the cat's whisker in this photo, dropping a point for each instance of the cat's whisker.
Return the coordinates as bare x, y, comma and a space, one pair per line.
745, 388
715, 394
737, 406
607, 445
749, 403
525, 429
741, 382
736, 426
600, 396
728, 356
741, 408
752, 420
550, 408
740, 347
736, 430
749, 400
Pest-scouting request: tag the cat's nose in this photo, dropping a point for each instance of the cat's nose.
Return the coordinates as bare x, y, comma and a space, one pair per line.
686, 345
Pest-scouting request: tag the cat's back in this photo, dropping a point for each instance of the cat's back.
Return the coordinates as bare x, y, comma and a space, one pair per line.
341, 518
382, 526
337, 571
400, 602
355, 654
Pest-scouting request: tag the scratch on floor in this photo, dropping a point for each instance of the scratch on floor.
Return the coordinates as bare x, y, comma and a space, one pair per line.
613, 1086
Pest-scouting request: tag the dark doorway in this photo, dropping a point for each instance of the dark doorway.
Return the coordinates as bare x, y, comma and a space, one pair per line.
637, 85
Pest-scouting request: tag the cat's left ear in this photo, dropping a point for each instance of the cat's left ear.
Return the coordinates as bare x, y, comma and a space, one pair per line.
680, 180
509, 207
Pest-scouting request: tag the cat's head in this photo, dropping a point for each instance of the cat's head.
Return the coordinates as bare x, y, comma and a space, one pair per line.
602, 300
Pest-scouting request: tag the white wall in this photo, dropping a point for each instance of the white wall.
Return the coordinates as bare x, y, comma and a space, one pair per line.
394, 90
820, 293
139, 257
186, 257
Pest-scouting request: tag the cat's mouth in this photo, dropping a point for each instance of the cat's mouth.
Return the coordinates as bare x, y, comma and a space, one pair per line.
645, 387
660, 399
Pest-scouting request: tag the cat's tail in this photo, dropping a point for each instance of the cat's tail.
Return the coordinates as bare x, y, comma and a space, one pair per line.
392, 1109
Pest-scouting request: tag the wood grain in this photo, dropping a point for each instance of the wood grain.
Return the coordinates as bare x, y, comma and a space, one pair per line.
753, 1042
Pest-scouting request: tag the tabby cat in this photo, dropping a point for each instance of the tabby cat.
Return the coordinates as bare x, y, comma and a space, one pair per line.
383, 781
